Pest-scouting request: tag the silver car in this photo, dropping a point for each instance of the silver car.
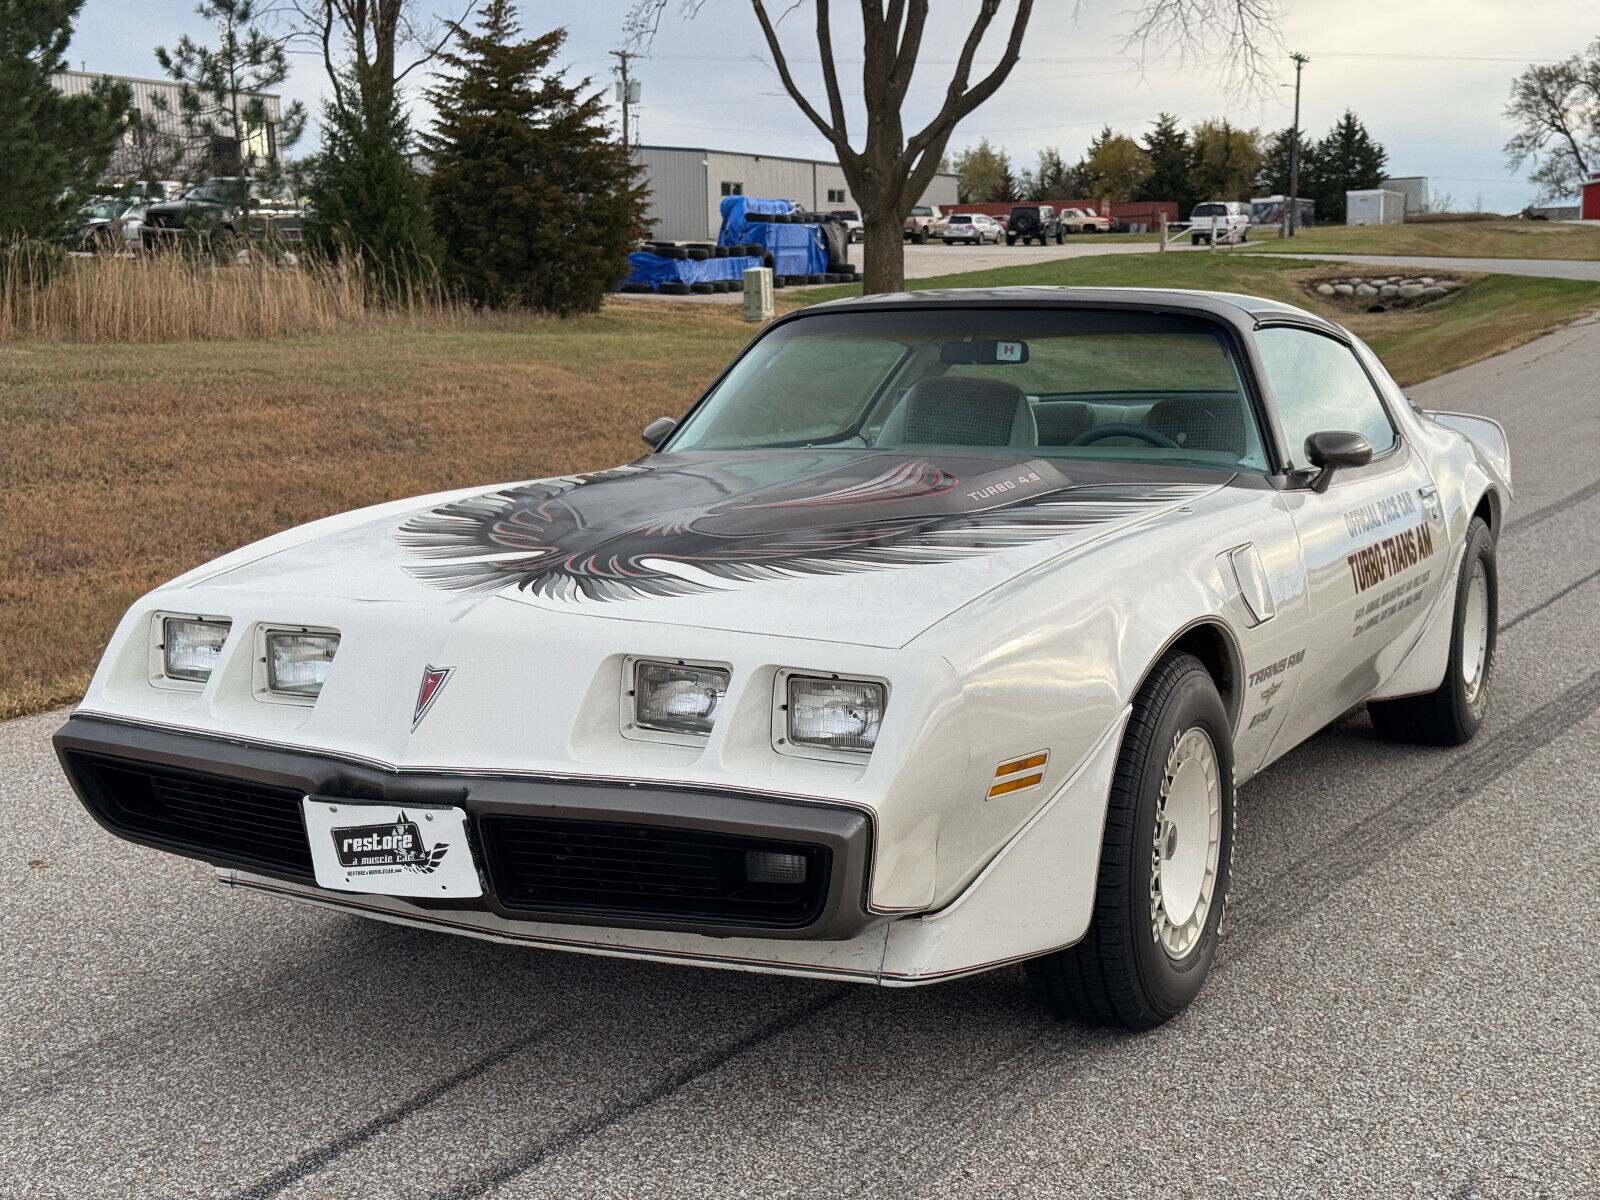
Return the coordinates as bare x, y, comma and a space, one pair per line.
972, 228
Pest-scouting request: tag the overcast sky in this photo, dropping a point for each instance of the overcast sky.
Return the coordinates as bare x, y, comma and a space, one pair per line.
1428, 77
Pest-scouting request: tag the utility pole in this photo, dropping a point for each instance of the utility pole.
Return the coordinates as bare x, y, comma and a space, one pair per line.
627, 90
1291, 217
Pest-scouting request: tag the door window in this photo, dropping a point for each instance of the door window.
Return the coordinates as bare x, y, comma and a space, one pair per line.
1319, 386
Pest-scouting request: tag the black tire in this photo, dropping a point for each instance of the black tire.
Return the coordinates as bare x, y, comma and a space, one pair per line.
673, 288
736, 285
817, 277
675, 252
1010, 241
719, 252
1451, 713
720, 286
697, 253
1120, 974
703, 288
1060, 237
635, 288
1245, 236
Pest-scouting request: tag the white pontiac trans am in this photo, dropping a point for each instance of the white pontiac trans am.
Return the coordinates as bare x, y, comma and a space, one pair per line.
936, 636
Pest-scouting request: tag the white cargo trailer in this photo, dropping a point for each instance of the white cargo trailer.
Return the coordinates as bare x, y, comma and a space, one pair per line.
1374, 206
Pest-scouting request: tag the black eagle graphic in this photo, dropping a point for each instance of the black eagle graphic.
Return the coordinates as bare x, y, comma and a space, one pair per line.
614, 535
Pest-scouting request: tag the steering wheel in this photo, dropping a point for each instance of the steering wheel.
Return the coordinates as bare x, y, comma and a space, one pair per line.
1141, 432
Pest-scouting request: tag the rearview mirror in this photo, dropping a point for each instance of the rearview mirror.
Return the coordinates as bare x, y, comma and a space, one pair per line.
658, 431
1330, 450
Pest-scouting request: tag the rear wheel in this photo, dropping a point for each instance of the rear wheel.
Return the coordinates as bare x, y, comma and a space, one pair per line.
1164, 862
1451, 713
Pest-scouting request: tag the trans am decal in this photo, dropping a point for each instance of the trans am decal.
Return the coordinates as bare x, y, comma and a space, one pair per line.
680, 528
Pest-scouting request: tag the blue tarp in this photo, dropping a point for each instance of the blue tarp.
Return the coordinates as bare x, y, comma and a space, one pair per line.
653, 269
795, 249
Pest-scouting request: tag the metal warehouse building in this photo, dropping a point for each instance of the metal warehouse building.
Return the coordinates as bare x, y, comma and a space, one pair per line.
687, 186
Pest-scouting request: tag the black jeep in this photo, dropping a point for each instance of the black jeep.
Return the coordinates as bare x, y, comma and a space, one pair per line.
1029, 221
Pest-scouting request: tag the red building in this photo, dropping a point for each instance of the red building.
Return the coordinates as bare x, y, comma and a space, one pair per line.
1589, 198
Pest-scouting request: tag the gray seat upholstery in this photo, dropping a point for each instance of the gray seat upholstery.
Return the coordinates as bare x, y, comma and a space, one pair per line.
1059, 422
949, 411
1197, 423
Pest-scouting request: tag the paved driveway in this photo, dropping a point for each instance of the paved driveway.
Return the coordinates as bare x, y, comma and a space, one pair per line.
1407, 1003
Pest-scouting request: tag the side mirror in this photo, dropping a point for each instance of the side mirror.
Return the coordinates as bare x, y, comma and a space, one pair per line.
1333, 449
661, 428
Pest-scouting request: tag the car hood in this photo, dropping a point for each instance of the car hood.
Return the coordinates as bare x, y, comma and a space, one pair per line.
853, 546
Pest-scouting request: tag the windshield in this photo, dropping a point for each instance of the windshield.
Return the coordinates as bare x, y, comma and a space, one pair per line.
1210, 210
1054, 383
960, 220
921, 211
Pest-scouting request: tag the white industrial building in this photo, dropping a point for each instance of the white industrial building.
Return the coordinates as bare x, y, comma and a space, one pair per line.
157, 141
687, 186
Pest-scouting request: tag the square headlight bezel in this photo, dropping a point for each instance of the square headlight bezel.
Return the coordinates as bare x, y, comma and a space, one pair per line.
783, 743
158, 666
629, 722
261, 674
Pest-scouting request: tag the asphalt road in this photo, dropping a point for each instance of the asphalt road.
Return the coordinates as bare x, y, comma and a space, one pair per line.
1407, 1003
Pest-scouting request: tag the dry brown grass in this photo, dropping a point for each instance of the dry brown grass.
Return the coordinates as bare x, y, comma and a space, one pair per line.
122, 466
187, 297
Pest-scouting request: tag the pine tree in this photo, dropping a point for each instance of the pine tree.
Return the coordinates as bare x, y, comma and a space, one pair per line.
1348, 159
220, 109
1053, 179
534, 201
1167, 146
365, 197
1006, 190
52, 147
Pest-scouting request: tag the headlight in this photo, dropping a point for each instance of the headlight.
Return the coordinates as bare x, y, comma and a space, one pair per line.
677, 698
189, 648
297, 663
835, 714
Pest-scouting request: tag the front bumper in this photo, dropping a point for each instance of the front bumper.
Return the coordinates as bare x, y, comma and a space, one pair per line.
556, 850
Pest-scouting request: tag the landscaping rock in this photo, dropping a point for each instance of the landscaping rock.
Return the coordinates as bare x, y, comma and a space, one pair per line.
1434, 292
1388, 291
1410, 291
1366, 289
1344, 289
1426, 281
1324, 289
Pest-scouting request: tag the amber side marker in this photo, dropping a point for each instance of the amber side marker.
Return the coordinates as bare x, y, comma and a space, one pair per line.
1011, 777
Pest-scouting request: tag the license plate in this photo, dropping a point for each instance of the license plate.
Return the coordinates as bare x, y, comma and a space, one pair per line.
390, 849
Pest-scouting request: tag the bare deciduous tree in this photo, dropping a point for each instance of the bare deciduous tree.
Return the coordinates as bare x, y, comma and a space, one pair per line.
376, 35
1556, 108
890, 171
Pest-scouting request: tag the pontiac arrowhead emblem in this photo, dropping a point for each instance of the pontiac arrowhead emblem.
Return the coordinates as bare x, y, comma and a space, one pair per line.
433, 681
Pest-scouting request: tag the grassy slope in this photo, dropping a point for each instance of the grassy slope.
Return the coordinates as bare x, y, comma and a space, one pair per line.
121, 466
1454, 239
1494, 314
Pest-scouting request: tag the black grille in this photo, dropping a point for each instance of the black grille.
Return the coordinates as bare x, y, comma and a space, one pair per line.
209, 815
545, 865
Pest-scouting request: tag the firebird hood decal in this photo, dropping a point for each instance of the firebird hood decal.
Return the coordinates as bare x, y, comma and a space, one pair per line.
680, 526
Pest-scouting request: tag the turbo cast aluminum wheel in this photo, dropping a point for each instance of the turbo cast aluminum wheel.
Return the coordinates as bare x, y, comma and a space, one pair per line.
1187, 844
1164, 861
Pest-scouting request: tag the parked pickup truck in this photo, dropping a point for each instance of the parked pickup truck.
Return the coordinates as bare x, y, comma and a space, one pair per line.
925, 221
1076, 220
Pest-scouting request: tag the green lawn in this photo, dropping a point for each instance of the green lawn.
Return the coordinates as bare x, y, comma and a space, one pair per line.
1492, 314
1450, 239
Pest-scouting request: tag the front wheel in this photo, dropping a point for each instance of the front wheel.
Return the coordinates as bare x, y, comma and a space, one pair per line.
1451, 713
1164, 862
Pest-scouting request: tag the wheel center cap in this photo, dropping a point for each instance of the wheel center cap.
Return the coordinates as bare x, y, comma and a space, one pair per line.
1169, 841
